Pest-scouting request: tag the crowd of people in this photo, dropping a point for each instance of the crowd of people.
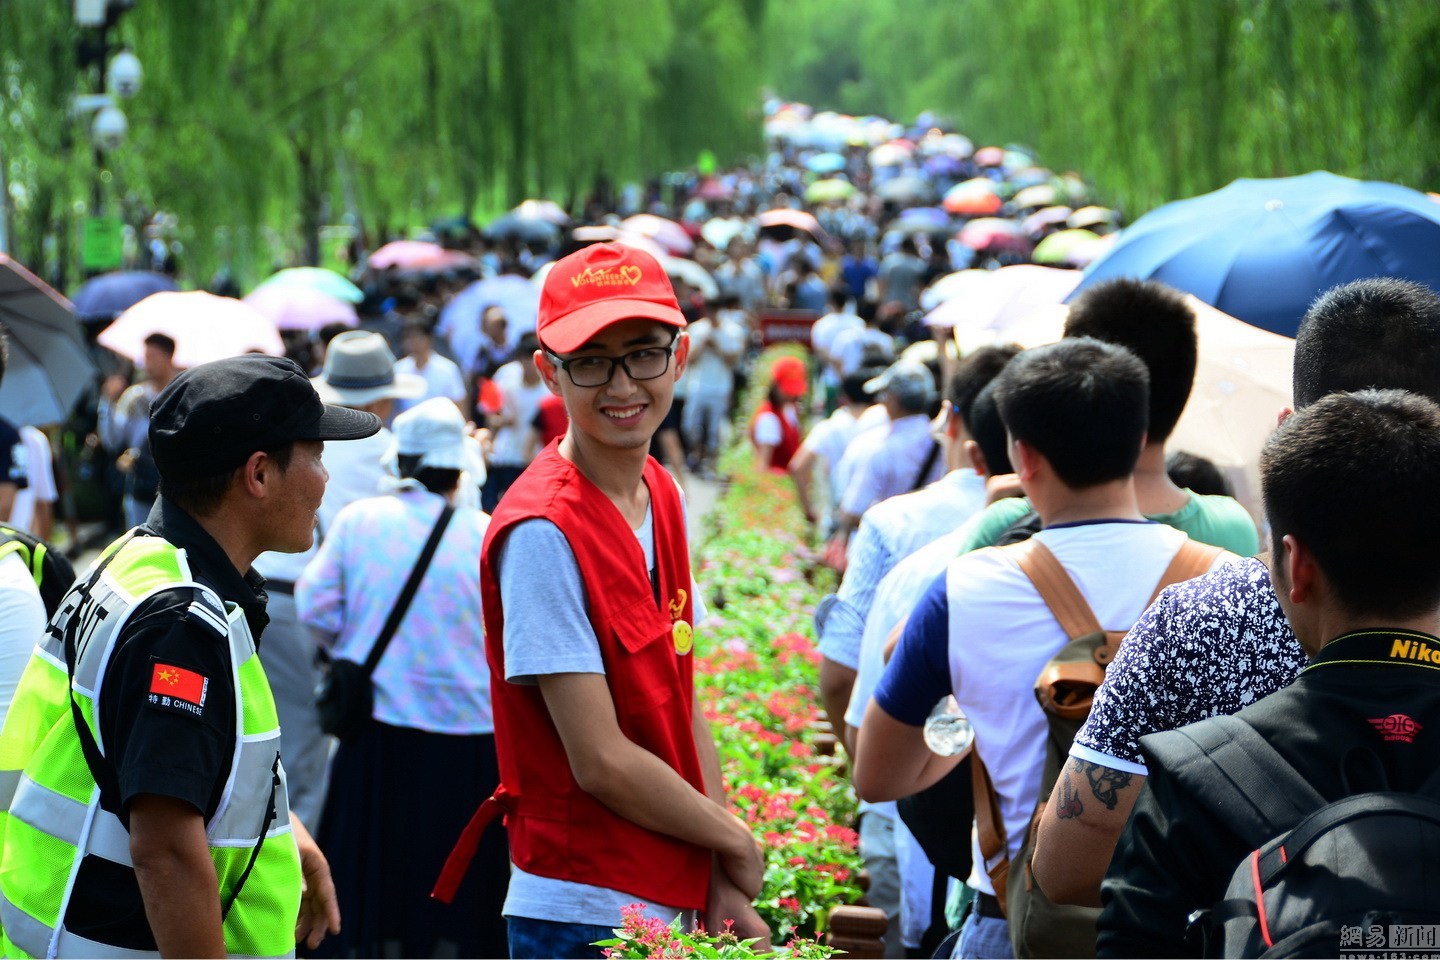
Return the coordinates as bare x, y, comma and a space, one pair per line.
431, 564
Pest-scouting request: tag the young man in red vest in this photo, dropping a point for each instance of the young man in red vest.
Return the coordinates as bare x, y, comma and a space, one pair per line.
610, 779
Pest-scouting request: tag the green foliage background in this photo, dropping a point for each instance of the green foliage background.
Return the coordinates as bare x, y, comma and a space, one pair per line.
260, 120
1152, 99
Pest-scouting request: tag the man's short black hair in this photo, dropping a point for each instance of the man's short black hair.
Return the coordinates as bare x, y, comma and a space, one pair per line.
1196, 474
974, 374
1381, 332
852, 387
1153, 322
439, 480
988, 428
201, 496
162, 343
1352, 477
417, 325
1081, 404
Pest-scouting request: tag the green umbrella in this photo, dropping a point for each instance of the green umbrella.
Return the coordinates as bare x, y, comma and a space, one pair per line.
318, 278
827, 191
1058, 247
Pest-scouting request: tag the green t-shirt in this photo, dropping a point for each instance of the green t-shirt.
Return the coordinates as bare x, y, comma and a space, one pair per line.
1216, 520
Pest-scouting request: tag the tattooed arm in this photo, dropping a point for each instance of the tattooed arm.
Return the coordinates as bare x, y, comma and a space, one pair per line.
1079, 828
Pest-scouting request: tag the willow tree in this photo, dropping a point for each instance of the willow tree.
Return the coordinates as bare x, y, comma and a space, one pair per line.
261, 120
1152, 99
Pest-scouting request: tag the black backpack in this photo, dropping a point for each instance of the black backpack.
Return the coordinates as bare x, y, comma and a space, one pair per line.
1334, 876
53, 573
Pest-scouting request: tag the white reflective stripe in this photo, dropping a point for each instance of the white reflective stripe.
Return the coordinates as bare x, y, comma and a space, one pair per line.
56, 660
109, 839
53, 814
71, 944
250, 794
9, 782
202, 611
27, 933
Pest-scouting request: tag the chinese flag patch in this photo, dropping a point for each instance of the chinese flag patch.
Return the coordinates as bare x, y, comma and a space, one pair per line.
177, 683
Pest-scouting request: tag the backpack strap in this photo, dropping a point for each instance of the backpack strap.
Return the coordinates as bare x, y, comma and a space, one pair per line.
990, 831
1193, 559
1055, 587
1236, 772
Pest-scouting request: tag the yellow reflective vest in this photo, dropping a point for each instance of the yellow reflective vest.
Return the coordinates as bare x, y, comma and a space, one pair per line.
50, 809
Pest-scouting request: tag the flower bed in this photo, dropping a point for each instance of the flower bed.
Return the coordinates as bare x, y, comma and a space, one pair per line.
758, 681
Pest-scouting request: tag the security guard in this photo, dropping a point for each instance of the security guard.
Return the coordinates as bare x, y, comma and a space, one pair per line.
144, 800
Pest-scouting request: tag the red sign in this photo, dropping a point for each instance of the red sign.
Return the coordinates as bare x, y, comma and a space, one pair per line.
787, 326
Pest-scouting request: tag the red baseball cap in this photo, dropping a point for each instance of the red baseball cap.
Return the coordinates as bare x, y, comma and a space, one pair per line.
789, 375
598, 285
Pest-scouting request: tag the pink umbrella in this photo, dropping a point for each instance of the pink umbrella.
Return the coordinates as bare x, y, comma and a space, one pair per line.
1040, 220
204, 327
994, 233
786, 217
667, 233
292, 307
416, 255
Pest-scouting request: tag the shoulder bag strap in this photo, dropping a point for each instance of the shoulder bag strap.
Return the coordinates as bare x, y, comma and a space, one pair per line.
1192, 560
1055, 587
925, 467
407, 593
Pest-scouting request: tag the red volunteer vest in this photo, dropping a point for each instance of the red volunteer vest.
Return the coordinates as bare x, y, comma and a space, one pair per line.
789, 437
555, 828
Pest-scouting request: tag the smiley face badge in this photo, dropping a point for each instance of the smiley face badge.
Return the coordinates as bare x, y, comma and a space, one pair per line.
684, 637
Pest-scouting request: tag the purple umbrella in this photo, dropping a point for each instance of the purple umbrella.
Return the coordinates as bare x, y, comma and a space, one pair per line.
103, 298
460, 318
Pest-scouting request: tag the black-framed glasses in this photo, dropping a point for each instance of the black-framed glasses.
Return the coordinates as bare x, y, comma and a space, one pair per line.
647, 363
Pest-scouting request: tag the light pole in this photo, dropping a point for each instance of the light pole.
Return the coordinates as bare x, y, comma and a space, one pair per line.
117, 77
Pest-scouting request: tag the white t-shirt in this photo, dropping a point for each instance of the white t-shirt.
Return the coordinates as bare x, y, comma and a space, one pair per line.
442, 379
829, 327
522, 402
991, 629
711, 374
22, 622
41, 465
849, 347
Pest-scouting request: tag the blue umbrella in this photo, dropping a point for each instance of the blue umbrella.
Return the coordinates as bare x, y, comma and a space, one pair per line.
103, 298
1263, 250
825, 163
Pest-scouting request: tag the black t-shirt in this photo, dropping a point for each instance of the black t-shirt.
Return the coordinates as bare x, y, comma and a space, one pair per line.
13, 462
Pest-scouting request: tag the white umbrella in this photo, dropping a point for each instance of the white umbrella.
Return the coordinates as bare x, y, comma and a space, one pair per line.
1242, 382
693, 274
204, 327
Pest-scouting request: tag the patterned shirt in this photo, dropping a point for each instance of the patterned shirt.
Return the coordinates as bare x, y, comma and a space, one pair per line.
433, 676
1204, 648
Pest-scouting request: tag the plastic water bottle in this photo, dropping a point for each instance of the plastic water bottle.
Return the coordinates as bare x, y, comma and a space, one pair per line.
947, 730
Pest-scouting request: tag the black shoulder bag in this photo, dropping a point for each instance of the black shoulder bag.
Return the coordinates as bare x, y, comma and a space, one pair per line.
346, 697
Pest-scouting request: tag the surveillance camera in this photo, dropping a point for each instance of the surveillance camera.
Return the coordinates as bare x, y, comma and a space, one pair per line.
124, 74
109, 128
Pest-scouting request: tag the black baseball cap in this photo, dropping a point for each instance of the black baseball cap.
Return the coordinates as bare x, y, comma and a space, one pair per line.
211, 418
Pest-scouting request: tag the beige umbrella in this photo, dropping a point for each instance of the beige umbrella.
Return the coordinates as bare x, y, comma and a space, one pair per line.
1242, 382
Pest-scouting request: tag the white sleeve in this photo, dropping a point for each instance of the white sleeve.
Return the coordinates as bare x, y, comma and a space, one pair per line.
41, 464
767, 430
22, 624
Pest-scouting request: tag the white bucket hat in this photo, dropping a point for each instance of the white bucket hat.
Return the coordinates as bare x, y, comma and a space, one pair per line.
360, 369
434, 431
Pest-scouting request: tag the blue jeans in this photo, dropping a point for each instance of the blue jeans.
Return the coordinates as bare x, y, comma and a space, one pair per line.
547, 939
986, 938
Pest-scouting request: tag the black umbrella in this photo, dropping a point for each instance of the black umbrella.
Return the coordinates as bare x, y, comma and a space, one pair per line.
49, 367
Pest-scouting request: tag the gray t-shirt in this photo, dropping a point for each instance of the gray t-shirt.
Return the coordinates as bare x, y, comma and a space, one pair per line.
547, 631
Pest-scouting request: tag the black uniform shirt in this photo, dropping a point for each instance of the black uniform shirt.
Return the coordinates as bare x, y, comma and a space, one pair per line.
168, 702
1178, 852
167, 717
